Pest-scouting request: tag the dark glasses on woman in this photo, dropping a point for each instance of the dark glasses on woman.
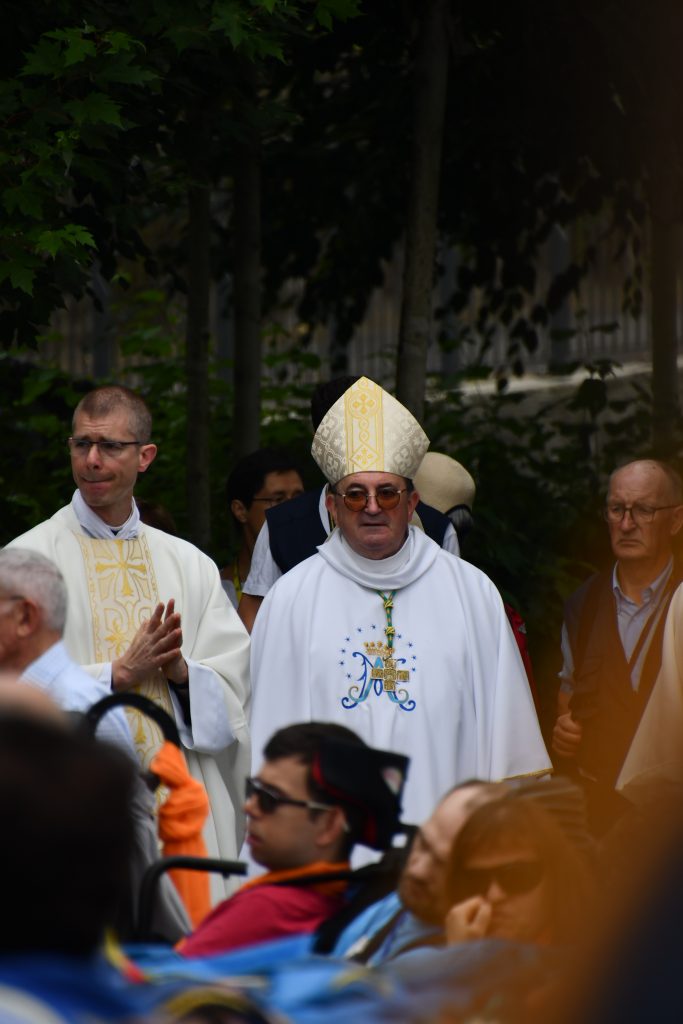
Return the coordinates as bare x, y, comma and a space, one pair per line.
515, 878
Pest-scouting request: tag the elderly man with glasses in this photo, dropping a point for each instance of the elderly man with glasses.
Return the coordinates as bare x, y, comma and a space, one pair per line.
612, 634
319, 791
146, 610
383, 631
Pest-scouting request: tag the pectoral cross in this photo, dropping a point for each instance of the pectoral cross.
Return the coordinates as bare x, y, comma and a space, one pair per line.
390, 675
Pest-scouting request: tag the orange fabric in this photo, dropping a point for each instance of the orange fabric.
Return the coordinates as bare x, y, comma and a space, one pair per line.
181, 819
319, 867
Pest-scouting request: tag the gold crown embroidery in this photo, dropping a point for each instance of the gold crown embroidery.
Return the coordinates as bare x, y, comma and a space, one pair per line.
387, 672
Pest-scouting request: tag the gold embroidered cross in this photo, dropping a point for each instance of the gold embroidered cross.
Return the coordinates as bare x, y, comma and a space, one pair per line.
123, 568
390, 675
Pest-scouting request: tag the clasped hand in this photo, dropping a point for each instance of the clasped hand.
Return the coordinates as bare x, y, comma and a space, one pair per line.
156, 645
566, 736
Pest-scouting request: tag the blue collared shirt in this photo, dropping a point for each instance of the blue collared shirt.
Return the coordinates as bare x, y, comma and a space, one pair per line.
73, 689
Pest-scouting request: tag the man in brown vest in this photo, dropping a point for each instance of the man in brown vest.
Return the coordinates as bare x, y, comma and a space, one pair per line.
612, 633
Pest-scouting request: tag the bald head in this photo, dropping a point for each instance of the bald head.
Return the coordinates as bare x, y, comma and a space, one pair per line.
644, 513
651, 472
422, 883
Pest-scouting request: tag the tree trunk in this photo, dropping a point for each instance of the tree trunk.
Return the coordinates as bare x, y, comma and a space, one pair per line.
662, 138
197, 361
431, 80
665, 408
247, 291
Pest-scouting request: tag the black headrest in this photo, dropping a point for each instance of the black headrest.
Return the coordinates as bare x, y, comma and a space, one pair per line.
368, 780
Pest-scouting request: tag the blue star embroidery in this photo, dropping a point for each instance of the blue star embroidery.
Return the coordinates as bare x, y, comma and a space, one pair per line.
359, 629
348, 639
341, 662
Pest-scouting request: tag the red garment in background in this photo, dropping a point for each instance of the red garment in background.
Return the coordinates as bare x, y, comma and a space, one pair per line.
261, 911
519, 629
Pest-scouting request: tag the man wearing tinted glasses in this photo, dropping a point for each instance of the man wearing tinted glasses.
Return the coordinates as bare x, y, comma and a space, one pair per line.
612, 634
383, 631
319, 791
146, 610
293, 531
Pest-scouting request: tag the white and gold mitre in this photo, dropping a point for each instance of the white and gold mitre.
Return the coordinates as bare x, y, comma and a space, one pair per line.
368, 431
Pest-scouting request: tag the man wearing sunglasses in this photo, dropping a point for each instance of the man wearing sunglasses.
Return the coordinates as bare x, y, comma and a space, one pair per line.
612, 634
319, 791
383, 631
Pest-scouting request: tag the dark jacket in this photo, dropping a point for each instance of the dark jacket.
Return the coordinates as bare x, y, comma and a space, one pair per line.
604, 701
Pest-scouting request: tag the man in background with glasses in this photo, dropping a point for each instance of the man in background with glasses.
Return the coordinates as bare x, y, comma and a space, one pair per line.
318, 792
612, 634
264, 479
384, 632
146, 610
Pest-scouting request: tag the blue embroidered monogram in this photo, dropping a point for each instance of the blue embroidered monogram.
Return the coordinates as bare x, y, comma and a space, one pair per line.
380, 673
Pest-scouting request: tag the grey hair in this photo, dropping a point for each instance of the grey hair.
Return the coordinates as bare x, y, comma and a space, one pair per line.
29, 574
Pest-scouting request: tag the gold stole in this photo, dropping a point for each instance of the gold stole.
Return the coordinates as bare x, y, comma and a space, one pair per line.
123, 593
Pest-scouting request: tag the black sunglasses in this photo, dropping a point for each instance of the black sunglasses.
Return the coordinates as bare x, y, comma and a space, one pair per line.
269, 799
515, 878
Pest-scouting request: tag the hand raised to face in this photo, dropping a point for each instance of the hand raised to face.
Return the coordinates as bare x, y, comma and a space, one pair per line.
468, 920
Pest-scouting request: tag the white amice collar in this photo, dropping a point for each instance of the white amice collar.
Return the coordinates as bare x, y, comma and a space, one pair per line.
95, 527
406, 565
380, 567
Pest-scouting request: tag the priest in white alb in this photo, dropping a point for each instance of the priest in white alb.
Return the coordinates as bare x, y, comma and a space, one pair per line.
386, 633
146, 610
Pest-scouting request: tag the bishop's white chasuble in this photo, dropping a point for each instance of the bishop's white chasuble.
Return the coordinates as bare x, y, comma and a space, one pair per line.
413, 652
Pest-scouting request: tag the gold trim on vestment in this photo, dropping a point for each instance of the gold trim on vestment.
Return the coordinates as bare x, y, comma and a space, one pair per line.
364, 427
122, 590
528, 775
